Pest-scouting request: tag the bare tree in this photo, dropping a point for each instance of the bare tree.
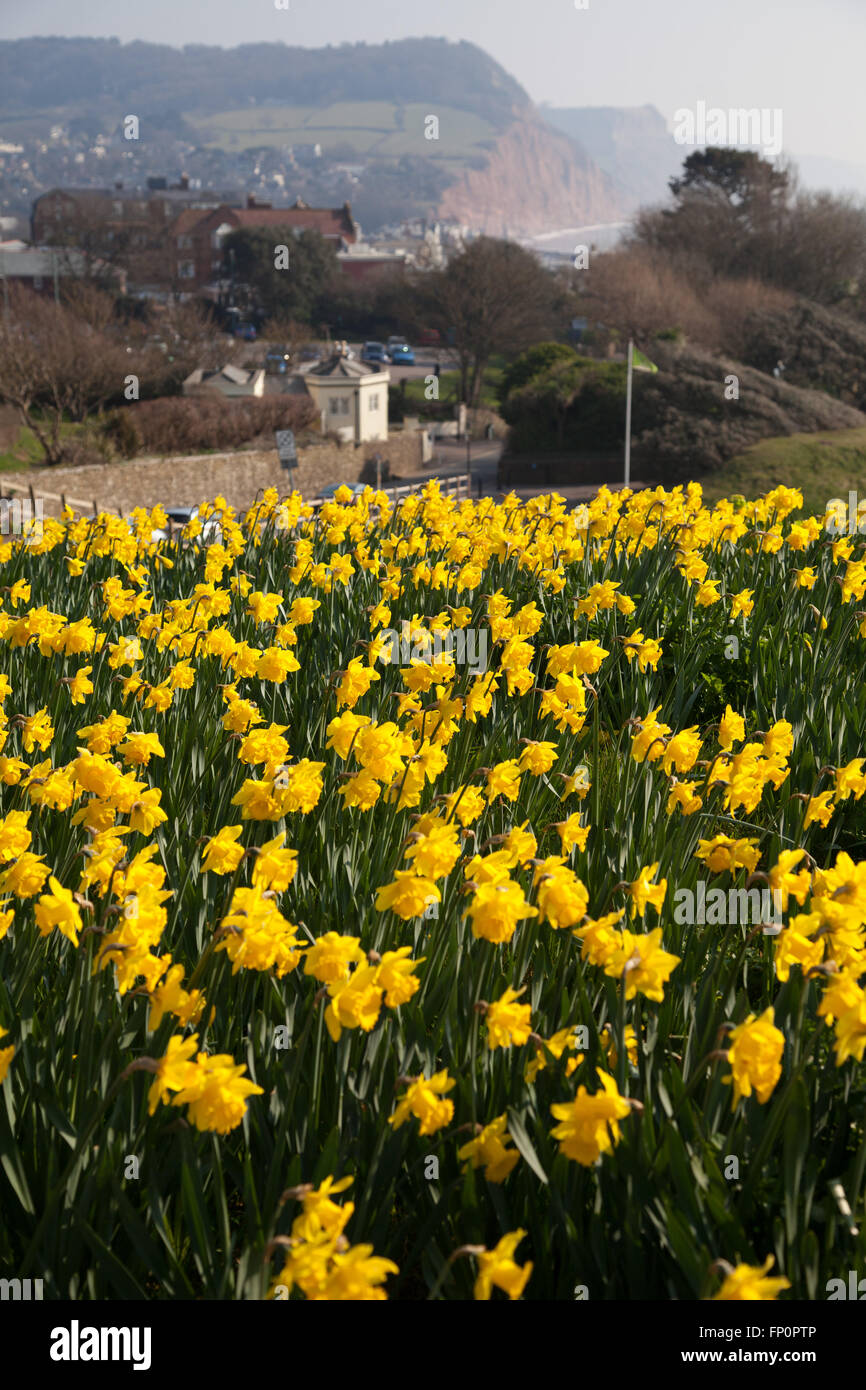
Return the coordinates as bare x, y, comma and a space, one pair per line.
493, 297
96, 248
641, 294
55, 367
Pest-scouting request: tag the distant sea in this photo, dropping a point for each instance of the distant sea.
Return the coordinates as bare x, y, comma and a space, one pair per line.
604, 235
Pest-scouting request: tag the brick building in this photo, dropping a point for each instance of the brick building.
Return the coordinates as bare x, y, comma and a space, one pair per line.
169, 239
131, 228
199, 236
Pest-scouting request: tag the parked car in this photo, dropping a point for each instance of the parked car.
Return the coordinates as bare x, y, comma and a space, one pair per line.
309, 353
374, 352
332, 488
396, 340
429, 337
277, 360
211, 531
247, 331
403, 354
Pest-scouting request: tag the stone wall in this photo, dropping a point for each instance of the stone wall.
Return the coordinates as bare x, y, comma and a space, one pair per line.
187, 481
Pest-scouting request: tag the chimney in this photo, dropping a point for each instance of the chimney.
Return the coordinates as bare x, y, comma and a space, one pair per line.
251, 200
184, 182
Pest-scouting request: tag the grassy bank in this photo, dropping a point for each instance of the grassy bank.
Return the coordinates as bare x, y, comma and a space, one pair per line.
823, 466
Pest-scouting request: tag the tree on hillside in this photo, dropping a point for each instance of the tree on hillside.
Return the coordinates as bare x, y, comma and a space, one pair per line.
554, 391
63, 363
822, 254
639, 293
494, 297
736, 214
56, 367
535, 360
187, 330
552, 399
728, 213
253, 259
740, 176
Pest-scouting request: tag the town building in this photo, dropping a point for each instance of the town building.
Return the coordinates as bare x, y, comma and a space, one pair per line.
228, 381
41, 269
199, 236
168, 238
363, 262
352, 400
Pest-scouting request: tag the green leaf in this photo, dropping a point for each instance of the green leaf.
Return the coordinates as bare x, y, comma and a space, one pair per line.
523, 1142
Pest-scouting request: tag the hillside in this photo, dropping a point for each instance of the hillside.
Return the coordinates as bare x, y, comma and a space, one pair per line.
823, 466
684, 427
632, 145
107, 78
822, 349
250, 117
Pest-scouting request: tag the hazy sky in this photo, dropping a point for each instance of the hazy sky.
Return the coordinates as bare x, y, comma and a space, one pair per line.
804, 57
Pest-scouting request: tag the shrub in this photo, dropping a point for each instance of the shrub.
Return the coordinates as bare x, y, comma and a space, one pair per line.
188, 425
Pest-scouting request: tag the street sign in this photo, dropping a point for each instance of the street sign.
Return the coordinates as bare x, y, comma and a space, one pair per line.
286, 448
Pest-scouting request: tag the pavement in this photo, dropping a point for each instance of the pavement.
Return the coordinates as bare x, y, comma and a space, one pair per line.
449, 460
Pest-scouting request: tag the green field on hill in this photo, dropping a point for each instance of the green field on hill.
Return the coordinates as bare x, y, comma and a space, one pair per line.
380, 129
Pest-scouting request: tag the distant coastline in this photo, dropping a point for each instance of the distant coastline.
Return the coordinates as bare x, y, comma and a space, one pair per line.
604, 235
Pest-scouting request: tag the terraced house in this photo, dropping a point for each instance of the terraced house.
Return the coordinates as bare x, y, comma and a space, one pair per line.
168, 239
199, 236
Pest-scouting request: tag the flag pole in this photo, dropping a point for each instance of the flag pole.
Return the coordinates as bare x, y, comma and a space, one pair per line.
627, 476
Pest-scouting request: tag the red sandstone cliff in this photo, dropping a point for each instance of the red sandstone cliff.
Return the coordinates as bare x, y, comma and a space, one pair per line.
537, 180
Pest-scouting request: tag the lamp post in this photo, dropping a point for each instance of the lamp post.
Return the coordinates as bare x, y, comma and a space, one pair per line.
627, 469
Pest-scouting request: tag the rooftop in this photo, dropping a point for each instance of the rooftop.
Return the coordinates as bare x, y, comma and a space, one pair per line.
337, 368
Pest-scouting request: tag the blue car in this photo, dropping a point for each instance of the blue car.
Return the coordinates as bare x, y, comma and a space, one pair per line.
403, 354
374, 352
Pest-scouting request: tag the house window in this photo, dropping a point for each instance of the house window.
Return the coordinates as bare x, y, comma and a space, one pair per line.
374, 403
339, 405
184, 243
186, 270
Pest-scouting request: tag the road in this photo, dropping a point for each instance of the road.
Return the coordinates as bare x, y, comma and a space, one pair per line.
425, 361
449, 455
